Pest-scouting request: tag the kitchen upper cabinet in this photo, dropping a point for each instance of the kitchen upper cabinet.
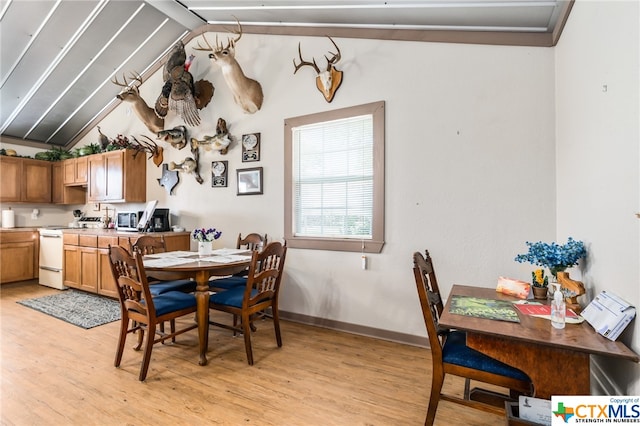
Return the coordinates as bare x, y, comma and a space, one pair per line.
62, 194
24, 180
76, 171
117, 176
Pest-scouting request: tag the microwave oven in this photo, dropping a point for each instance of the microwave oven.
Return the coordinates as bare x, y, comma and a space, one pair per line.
127, 221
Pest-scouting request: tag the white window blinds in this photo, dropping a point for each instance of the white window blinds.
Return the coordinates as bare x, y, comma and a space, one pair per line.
333, 178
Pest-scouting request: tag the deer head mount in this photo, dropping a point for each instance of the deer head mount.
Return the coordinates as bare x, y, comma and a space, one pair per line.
246, 92
327, 81
131, 94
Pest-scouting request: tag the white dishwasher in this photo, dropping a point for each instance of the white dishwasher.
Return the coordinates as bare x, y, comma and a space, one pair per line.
51, 258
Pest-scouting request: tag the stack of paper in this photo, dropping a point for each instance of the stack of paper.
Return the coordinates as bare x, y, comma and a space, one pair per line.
609, 315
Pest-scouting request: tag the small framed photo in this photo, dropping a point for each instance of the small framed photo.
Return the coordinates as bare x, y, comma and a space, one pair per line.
250, 181
251, 147
219, 173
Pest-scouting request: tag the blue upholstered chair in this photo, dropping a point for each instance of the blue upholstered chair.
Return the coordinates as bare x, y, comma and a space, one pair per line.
146, 245
140, 310
451, 355
252, 242
259, 293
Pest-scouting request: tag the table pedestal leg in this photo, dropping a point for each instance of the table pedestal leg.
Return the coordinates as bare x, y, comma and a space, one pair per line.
202, 300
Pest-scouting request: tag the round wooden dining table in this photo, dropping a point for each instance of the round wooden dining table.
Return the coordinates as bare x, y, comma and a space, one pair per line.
201, 269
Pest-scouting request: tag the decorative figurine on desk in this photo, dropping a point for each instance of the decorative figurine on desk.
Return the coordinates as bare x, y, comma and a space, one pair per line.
571, 290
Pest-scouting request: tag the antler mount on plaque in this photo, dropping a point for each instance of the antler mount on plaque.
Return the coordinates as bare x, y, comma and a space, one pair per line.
327, 81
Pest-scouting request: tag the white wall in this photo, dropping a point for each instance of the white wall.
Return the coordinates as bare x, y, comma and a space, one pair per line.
598, 157
470, 165
469, 170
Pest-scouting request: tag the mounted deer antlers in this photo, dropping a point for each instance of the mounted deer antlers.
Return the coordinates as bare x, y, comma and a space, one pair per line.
131, 94
246, 92
157, 152
327, 81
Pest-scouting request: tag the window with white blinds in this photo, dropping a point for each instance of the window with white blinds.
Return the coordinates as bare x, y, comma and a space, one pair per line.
335, 170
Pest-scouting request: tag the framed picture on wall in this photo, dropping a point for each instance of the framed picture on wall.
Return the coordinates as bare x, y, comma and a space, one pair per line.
250, 181
219, 173
251, 147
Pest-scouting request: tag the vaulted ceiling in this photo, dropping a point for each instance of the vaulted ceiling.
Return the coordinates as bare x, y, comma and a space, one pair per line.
58, 57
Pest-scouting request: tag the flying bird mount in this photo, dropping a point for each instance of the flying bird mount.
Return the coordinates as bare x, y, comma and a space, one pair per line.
179, 93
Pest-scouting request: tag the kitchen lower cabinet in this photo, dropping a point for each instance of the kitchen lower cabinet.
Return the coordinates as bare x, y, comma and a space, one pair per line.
86, 257
88, 269
23, 245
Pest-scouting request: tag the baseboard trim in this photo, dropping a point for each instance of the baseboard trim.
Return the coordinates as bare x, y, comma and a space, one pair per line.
361, 330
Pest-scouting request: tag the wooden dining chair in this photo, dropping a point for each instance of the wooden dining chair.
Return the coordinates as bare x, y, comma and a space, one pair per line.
146, 245
140, 310
252, 242
451, 355
260, 292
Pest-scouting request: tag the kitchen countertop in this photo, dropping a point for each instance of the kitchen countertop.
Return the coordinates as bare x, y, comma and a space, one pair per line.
92, 231
115, 232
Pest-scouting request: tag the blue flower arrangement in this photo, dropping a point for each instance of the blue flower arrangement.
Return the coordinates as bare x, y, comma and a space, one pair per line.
554, 256
202, 234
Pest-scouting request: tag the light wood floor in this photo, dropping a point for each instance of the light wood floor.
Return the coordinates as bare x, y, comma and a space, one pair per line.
54, 373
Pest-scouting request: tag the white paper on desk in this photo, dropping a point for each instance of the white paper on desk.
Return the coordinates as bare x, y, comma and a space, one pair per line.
172, 254
226, 259
228, 251
609, 315
164, 262
535, 410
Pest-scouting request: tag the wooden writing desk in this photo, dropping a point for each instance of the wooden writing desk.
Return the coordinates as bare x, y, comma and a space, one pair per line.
201, 271
557, 361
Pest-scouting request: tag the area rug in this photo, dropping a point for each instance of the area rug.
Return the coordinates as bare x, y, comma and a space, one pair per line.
85, 310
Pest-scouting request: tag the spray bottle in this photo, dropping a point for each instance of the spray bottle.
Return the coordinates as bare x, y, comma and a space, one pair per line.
558, 308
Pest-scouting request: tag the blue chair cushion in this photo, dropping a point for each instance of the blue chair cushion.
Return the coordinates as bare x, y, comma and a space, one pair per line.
232, 297
173, 301
184, 286
456, 351
228, 282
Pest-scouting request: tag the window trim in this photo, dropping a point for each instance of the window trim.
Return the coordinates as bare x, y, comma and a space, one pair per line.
373, 245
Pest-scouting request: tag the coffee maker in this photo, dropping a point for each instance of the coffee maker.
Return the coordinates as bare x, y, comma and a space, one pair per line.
159, 221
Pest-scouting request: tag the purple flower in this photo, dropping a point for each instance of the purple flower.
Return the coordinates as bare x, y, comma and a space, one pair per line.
202, 234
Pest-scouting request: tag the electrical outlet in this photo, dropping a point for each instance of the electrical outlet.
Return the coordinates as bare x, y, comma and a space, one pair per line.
96, 207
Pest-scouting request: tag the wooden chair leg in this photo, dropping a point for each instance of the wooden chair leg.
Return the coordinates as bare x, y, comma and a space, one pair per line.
140, 339
146, 358
434, 399
246, 330
122, 338
173, 329
276, 326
